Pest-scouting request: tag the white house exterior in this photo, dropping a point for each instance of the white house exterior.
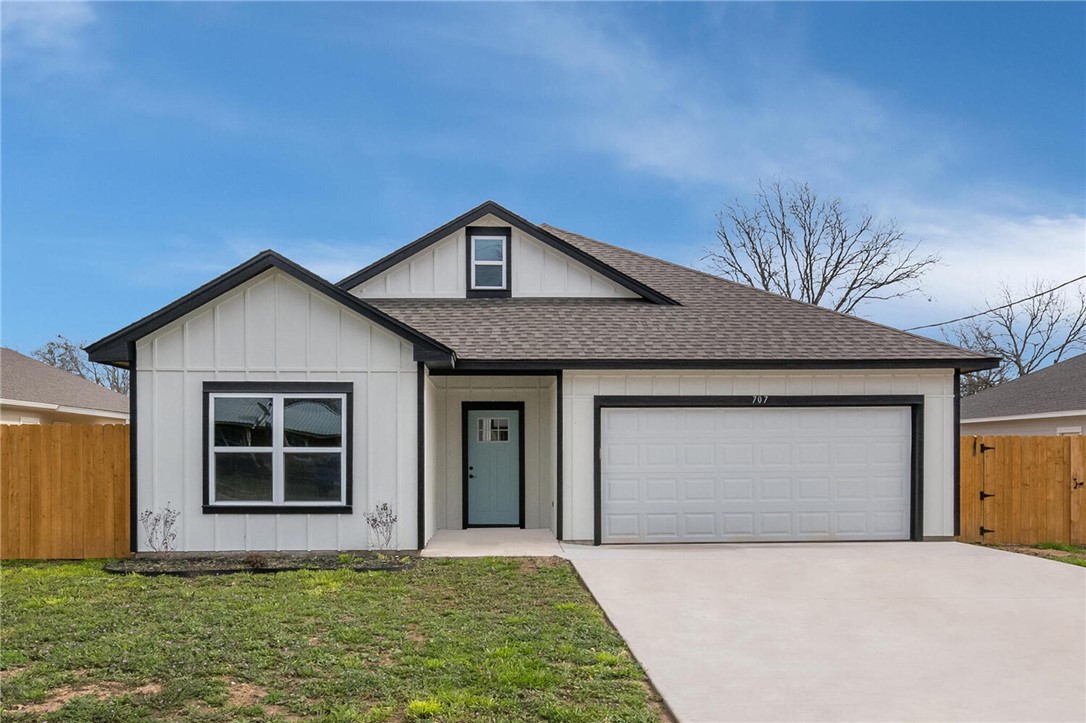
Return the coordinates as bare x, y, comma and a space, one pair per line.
499, 373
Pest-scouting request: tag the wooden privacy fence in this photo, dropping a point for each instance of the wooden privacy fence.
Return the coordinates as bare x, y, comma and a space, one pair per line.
1023, 490
63, 491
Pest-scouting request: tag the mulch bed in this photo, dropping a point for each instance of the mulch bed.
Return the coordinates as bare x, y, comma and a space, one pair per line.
226, 563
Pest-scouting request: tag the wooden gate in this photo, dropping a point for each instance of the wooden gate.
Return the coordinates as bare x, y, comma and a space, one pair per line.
64, 491
1023, 490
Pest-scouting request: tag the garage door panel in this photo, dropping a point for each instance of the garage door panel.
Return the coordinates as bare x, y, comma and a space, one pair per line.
700, 490
733, 475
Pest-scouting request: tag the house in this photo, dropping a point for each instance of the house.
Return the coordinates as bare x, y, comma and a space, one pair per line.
32, 392
496, 372
1048, 401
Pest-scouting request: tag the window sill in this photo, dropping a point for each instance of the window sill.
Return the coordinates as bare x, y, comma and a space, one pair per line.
489, 293
277, 509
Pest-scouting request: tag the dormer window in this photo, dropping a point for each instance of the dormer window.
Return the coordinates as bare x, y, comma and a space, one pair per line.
488, 261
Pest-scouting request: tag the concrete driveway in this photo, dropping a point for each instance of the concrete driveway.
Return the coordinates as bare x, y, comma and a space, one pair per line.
904, 631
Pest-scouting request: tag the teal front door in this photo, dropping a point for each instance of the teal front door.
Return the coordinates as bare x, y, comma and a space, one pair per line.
493, 449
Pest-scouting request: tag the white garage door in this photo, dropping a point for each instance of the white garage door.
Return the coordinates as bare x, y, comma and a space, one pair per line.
754, 474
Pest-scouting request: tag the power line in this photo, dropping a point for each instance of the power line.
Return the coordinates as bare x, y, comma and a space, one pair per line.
998, 308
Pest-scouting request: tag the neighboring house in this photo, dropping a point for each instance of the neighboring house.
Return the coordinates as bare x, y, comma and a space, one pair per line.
32, 392
1048, 401
574, 386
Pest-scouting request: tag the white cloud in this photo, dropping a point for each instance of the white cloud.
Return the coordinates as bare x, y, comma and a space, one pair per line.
48, 37
716, 129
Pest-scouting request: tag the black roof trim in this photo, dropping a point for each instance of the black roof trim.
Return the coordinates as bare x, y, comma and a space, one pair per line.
113, 349
482, 366
490, 207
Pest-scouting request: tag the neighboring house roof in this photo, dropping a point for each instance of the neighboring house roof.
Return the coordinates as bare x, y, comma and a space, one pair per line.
715, 322
23, 379
1057, 388
113, 349
310, 417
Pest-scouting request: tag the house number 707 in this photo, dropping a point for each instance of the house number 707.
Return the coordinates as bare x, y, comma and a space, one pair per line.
759, 399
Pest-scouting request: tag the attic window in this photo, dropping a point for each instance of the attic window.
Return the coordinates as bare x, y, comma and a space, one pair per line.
488, 261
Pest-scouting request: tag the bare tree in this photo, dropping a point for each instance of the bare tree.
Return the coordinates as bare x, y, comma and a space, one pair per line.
1041, 330
792, 242
63, 353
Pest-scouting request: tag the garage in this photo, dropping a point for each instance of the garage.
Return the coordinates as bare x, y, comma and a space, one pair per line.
759, 470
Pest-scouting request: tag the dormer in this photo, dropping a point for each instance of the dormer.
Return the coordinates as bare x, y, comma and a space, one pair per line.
490, 253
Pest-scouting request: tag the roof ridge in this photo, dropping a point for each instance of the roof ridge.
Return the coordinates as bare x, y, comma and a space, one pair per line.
782, 297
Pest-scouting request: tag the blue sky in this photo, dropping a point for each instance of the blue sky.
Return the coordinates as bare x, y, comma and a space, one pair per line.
148, 147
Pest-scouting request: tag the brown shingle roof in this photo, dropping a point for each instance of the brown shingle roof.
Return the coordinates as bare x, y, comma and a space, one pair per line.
1057, 388
716, 321
28, 380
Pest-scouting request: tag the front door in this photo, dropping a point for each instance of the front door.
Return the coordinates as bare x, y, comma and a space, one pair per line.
493, 469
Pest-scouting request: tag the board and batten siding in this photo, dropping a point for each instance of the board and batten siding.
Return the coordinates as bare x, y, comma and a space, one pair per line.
445, 483
579, 389
440, 271
273, 328
434, 456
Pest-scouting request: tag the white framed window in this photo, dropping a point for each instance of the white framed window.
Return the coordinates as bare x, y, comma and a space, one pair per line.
492, 429
489, 262
275, 449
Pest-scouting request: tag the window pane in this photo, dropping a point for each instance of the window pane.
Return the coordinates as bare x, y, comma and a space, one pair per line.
488, 249
312, 422
243, 477
312, 477
243, 422
488, 276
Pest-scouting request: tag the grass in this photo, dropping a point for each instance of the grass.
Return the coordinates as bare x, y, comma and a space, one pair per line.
1070, 554
485, 639
1076, 553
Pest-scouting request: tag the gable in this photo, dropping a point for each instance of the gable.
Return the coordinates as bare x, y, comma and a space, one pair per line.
273, 323
117, 348
439, 271
503, 223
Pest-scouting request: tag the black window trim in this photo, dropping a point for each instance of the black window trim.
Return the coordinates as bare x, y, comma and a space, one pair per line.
507, 233
345, 388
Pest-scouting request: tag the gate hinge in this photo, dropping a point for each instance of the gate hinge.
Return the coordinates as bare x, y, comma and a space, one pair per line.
984, 495
984, 531
984, 448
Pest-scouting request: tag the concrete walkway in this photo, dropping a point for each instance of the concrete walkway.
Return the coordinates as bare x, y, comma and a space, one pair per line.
849, 631
497, 541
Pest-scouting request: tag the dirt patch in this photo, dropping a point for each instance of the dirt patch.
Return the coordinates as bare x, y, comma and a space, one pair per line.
534, 564
414, 635
1035, 551
11, 672
60, 697
243, 694
656, 703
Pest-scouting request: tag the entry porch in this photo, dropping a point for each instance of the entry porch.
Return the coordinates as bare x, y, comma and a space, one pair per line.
498, 433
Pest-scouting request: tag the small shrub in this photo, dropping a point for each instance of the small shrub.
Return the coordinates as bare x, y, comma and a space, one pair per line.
382, 522
158, 528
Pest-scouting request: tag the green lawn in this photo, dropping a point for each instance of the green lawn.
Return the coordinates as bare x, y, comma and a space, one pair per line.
489, 639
